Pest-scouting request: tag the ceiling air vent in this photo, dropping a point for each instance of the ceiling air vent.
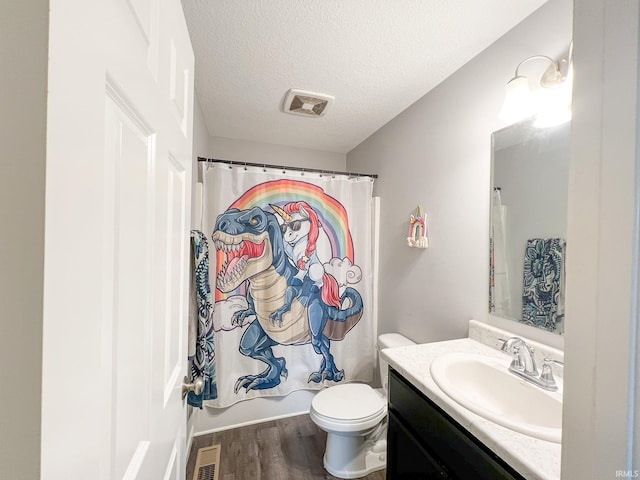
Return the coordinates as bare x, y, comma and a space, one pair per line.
308, 104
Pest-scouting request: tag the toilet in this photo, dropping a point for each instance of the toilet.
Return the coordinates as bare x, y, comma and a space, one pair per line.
354, 417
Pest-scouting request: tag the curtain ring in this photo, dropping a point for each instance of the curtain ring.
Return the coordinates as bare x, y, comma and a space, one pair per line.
245, 166
264, 168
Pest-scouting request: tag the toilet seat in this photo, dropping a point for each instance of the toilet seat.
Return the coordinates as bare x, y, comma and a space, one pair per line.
348, 408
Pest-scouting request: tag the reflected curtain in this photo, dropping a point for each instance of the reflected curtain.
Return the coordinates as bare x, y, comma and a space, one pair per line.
543, 283
499, 294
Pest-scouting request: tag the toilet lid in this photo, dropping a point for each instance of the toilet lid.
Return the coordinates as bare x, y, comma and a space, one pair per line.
348, 402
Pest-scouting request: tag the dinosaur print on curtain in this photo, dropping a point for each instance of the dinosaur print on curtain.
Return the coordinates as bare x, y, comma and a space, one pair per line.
291, 277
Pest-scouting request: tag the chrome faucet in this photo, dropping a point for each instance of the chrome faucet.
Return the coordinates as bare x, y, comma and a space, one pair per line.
524, 365
523, 361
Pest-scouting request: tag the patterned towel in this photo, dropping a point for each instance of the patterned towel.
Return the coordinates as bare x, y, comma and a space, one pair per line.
203, 361
543, 285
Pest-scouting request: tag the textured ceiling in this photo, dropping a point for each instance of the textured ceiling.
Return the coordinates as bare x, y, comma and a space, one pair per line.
376, 57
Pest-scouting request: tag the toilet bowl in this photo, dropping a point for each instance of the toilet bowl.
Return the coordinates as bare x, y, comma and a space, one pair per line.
354, 417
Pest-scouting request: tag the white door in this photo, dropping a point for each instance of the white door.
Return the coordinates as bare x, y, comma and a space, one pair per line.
118, 185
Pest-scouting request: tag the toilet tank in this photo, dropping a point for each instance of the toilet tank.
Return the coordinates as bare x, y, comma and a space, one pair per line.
389, 340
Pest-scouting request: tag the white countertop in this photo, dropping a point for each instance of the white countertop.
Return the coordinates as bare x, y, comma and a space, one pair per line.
533, 458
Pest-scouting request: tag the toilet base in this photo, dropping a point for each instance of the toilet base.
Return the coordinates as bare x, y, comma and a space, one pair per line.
353, 456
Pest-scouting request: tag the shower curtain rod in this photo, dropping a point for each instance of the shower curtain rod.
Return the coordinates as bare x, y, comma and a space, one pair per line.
283, 167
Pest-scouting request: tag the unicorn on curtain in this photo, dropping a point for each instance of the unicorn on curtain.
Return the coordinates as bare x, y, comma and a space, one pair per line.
301, 231
293, 299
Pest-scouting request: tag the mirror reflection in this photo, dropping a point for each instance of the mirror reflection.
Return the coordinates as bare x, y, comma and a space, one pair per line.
530, 175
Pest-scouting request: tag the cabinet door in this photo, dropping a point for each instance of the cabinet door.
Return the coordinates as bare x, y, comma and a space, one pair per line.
407, 459
462, 455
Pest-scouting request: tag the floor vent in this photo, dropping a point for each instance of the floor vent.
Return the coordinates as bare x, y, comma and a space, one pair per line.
207, 463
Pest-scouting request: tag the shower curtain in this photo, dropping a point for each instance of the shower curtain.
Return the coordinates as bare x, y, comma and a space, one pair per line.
291, 279
201, 344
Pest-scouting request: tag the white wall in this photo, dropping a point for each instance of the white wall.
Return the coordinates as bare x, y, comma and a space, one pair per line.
24, 30
437, 154
256, 152
259, 409
602, 193
200, 144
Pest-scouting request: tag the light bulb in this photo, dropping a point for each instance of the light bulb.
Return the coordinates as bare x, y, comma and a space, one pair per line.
518, 101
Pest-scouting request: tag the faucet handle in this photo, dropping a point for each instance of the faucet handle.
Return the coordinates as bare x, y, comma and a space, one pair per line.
555, 362
546, 376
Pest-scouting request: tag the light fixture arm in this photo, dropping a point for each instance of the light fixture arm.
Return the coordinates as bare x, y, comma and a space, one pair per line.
555, 74
534, 57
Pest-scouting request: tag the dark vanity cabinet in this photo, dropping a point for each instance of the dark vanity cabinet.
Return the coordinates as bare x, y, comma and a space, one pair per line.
423, 442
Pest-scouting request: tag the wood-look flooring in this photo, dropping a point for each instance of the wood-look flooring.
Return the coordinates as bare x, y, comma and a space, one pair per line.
287, 449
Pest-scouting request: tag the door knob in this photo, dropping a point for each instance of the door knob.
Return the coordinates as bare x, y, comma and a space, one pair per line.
196, 387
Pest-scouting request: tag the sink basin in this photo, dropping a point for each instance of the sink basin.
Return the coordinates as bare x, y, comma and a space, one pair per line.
483, 385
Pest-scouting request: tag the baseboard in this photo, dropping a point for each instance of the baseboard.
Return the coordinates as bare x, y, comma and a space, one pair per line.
250, 422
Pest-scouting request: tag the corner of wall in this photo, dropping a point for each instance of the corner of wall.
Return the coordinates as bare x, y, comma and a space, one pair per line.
23, 83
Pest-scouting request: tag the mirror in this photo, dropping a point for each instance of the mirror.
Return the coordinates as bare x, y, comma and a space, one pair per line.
529, 190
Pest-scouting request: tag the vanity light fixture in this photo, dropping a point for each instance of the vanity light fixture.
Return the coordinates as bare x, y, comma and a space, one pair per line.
551, 104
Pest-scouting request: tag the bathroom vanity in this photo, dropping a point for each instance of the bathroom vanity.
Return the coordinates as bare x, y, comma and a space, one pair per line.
425, 442
431, 436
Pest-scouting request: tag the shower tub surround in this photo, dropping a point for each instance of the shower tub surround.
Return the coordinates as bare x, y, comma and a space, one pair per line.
533, 458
